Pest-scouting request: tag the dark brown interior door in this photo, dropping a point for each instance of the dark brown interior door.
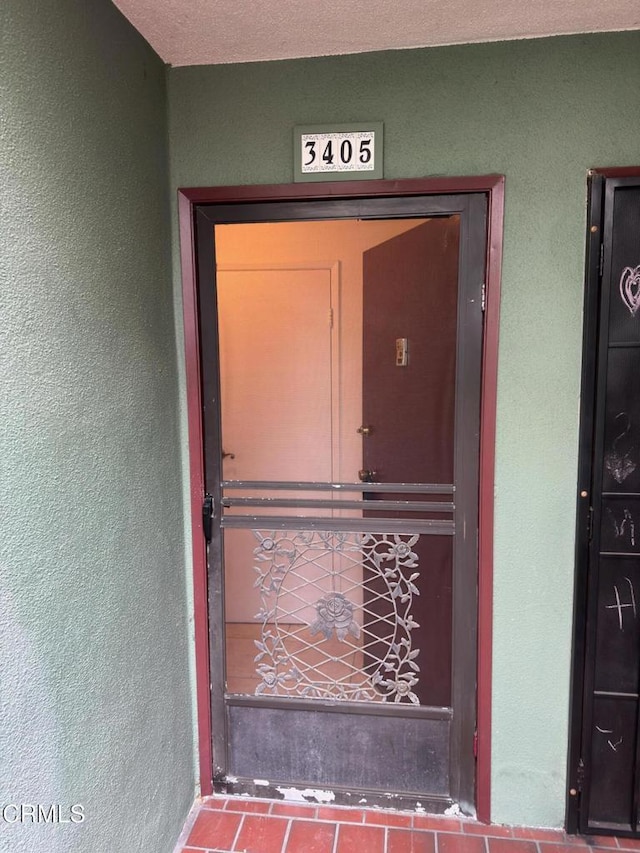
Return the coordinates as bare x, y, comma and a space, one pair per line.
410, 298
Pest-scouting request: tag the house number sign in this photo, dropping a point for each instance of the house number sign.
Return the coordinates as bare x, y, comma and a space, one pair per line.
338, 152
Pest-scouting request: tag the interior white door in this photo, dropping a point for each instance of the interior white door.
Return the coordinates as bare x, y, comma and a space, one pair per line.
276, 364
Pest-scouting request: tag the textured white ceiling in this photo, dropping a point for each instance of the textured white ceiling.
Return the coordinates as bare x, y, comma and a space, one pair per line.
203, 32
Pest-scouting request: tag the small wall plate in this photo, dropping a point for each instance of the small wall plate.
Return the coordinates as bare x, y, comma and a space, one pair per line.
338, 152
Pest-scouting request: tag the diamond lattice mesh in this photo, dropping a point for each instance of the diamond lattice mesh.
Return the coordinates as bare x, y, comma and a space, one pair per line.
335, 615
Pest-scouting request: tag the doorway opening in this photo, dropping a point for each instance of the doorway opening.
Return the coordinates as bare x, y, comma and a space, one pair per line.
341, 363
311, 393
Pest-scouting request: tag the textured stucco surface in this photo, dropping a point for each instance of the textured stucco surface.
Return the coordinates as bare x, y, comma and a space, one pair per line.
95, 695
199, 32
541, 112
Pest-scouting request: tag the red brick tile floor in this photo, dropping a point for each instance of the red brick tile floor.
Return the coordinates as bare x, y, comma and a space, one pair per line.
223, 824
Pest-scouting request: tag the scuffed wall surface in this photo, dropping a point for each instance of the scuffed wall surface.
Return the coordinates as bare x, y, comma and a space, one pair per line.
95, 696
541, 112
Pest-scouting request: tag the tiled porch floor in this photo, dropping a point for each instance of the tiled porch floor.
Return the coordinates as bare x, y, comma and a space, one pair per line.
265, 826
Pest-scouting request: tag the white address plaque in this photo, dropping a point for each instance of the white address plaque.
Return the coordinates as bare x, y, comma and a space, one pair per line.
338, 152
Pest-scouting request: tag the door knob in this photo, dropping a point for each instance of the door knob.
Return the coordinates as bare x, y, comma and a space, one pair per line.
226, 455
367, 476
364, 430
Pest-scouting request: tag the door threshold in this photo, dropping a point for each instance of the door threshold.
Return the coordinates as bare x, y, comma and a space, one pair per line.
286, 792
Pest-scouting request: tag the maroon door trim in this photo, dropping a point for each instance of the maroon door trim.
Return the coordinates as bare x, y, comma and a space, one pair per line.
616, 171
196, 491
489, 398
493, 186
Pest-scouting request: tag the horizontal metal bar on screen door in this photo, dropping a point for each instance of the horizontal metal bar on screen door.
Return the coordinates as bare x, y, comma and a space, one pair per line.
351, 525
395, 488
612, 694
376, 506
374, 709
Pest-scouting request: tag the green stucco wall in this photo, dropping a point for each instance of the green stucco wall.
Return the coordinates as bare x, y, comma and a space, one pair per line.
94, 689
541, 112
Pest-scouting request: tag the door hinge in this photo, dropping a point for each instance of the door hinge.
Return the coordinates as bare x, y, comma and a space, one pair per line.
483, 297
331, 318
601, 262
580, 775
590, 524
475, 744
207, 517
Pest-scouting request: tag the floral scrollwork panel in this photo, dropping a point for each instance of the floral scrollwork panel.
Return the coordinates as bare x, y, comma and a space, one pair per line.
335, 615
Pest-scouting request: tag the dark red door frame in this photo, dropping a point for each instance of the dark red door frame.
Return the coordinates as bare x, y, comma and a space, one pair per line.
493, 186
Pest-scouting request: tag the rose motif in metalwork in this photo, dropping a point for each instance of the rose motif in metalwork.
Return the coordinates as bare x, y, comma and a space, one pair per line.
403, 688
335, 613
401, 551
270, 678
399, 686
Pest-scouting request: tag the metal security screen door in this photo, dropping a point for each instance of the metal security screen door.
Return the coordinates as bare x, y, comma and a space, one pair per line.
341, 362
604, 772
